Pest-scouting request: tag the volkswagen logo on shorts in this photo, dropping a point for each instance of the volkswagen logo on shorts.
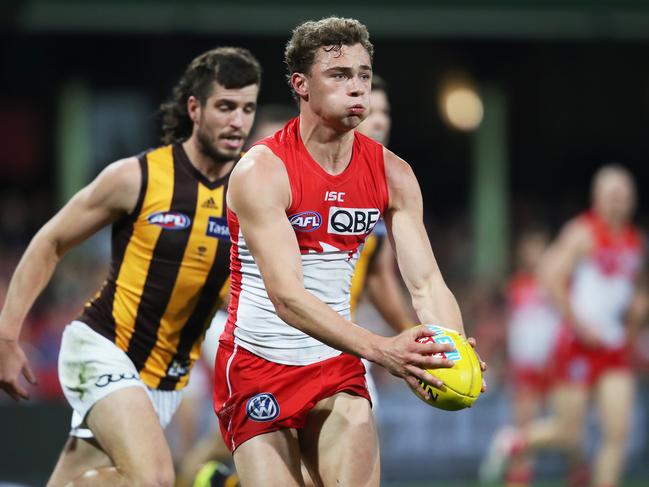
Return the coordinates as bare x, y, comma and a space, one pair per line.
262, 407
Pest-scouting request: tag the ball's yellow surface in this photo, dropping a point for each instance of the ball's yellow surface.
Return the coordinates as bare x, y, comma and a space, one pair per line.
463, 381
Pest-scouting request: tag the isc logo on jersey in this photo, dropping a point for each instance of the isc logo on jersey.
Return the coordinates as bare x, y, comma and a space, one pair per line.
352, 221
306, 221
169, 220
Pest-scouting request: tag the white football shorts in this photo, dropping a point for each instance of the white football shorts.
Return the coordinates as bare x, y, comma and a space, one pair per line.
91, 367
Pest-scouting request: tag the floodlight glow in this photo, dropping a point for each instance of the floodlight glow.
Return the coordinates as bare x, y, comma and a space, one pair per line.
462, 107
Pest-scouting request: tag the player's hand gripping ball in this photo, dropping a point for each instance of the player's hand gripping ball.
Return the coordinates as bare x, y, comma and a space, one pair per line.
463, 381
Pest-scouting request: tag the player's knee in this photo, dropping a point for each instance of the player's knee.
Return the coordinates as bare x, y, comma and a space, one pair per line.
159, 479
571, 441
570, 431
570, 437
154, 476
616, 435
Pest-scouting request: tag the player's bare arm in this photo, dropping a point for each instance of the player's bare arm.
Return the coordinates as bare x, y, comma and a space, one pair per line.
638, 312
112, 194
558, 265
259, 194
432, 300
384, 292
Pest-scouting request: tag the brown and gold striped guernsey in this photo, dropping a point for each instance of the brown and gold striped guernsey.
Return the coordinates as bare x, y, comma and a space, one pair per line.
371, 247
169, 269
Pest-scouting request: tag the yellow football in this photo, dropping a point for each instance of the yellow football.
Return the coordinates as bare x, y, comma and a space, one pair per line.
462, 382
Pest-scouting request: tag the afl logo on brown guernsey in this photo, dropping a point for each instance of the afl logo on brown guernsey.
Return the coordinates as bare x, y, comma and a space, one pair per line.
170, 220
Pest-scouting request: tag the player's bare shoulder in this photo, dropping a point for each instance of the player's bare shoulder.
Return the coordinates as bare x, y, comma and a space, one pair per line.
395, 167
576, 236
118, 186
402, 183
259, 175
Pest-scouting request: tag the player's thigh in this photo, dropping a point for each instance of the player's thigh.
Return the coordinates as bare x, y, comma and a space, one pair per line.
79, 455
128, 429
340, 442
569, 403
615, 393
526, 405
270, 459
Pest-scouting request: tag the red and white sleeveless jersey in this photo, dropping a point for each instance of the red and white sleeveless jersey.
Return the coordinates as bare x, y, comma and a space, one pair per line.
331, 217
533, 323
604, 282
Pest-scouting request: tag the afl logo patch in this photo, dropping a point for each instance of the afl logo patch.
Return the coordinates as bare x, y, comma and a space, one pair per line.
170, 220
306, 221
262, 407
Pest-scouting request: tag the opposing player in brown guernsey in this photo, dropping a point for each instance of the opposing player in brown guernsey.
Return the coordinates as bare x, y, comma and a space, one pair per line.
170, 258
124, 361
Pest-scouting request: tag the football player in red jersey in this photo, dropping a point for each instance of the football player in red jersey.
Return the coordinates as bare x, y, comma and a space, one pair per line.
532, 328
594, 273
300, 204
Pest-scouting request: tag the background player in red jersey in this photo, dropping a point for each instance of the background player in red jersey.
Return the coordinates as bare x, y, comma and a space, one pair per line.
283, 394
594, 273
532, 328
124, 362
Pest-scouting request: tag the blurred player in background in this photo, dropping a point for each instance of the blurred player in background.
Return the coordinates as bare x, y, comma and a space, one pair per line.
594, 273
532, 328
124, 362
270, 118
300, 204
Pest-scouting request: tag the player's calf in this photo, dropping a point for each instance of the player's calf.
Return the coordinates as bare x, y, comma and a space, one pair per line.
113, 477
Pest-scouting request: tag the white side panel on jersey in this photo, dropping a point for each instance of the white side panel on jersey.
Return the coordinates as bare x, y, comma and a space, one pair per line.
600, 301
211, 342
327, 275
532, 333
